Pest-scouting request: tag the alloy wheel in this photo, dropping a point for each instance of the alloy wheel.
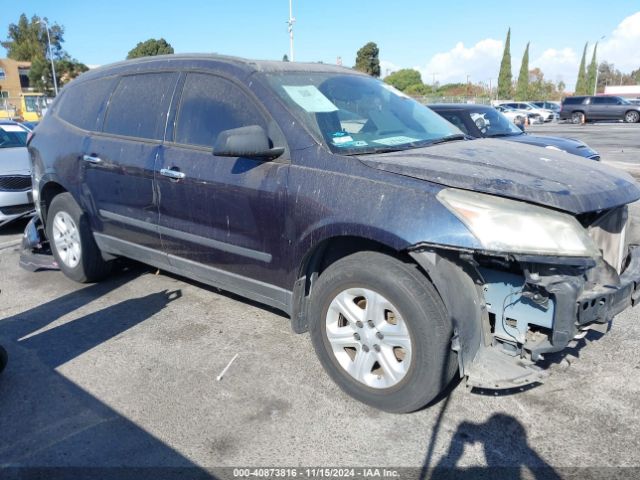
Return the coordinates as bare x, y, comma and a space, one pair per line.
66, 238
369, 338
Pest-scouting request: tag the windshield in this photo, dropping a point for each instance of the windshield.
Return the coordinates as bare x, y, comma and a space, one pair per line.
355, 114
12, 136
492, 123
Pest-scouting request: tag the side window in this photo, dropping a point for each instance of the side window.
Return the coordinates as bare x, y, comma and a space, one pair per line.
82, 104
139, 105
456, 120
210, 105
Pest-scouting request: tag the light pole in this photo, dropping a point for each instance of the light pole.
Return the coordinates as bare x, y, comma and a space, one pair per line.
290, 22
53, 67
595, 87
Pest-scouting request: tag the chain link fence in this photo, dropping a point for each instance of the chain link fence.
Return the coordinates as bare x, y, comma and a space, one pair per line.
426, 99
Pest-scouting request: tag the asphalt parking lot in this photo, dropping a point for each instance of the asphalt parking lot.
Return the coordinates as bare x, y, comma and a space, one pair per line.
123, 374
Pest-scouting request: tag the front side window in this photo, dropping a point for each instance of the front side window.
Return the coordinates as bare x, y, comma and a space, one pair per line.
355, 114
139, 105
209, 105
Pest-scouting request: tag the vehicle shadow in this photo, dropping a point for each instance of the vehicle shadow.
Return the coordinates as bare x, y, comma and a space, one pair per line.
51, 427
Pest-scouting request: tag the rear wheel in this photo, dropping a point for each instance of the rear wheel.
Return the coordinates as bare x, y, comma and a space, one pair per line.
632, 117
577, 118
382, 332
72, 242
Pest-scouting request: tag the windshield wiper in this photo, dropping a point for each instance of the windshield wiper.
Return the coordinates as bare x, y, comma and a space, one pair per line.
449, 138
505, 134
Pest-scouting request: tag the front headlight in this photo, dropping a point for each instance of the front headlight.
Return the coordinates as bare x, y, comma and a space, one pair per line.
511, 226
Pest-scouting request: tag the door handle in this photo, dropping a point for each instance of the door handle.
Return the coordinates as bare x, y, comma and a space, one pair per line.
175, 174
91, 159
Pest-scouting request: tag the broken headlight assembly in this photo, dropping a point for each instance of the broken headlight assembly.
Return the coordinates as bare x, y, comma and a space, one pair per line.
509, 226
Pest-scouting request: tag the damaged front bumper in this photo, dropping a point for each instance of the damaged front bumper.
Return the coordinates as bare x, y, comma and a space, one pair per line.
508, 311
35, 253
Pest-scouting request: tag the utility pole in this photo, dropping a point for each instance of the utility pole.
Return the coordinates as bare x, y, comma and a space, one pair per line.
53, 67
595, 88
290, 23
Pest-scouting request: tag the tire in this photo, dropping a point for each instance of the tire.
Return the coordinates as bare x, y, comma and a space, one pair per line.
3, 358
406, 308
72, 241
632, 117
577, 118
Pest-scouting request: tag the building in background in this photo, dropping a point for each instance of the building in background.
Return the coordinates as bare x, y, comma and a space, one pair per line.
626, 91
17, 99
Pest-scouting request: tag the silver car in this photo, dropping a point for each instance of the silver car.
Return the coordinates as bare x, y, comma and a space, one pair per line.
15, 172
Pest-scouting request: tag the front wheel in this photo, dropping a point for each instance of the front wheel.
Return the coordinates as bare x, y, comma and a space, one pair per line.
632, 117
382, 332
72, 242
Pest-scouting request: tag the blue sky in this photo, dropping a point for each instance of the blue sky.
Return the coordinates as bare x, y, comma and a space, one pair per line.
460, 38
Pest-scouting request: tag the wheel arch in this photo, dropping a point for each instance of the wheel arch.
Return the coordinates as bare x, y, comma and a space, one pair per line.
326, 252
47, 192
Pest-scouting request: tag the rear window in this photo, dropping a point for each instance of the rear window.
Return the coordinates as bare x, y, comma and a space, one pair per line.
573, 100
82, 104
138, 107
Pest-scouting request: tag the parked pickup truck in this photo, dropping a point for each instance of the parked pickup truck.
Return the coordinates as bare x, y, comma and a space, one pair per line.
585, 109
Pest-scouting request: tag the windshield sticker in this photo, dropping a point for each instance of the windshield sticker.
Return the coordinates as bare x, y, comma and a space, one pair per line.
310, 98
392, 141
341, 141
12, 128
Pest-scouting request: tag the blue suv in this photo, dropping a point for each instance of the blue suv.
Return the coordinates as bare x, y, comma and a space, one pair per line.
408, 251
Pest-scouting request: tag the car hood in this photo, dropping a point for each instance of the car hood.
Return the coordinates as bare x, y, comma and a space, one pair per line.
512, 170
569, 145
15, 161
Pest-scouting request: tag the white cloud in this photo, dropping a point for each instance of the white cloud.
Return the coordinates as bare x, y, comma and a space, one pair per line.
558, 65
480, 62
622, 47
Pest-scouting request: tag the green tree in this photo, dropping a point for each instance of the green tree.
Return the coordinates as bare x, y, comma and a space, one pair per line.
418, 90
150, 48
367, 59
504, 77
591, 75
285, 58
523, 78
27, 39
402, 79
581, 84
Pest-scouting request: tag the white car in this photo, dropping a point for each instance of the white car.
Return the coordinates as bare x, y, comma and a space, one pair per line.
515, 116
547, 115
15, 172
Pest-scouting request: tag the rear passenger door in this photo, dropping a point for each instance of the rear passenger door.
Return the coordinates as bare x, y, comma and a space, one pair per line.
120, 159
226, 215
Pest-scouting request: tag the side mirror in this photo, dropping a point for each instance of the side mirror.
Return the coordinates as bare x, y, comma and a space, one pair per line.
251, 142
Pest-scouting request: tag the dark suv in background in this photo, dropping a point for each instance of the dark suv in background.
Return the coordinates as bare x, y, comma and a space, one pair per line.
590, 108
407, 250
